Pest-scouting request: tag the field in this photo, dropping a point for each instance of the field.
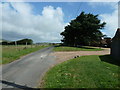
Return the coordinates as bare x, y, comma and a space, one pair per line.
94, 71
83, 48
11, 52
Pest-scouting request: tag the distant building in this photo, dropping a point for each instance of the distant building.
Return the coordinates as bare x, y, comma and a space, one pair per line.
115, 46
106, 42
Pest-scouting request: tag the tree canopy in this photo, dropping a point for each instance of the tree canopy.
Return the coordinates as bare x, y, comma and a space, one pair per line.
83, 30
24, 41
19, 42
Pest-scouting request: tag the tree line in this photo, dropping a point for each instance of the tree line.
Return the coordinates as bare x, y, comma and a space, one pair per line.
19, 42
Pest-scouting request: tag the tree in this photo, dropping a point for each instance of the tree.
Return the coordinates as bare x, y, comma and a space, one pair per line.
83, 30
24, 41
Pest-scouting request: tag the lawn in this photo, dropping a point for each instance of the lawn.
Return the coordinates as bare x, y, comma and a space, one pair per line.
83, 48
11, 52
83, 72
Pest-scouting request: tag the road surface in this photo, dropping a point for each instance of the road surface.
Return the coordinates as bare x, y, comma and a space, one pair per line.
26, 72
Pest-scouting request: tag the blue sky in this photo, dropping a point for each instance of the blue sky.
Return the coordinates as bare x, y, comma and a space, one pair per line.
72, 9
43, 21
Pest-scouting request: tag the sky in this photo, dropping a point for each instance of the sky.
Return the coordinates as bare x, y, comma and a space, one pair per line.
44, 21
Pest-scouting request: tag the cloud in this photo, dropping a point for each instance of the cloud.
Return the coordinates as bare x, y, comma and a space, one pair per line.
94, 4
18, 21
112, 21
119, 14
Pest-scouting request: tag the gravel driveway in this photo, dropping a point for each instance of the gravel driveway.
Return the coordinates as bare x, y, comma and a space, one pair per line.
64, 55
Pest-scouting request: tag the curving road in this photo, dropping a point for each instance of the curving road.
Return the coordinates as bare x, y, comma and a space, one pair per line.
26, 72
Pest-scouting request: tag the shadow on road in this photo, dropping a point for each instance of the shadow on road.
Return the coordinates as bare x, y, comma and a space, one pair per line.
109, 59
14, 85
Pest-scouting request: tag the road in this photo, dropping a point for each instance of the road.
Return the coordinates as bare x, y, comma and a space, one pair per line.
27, 71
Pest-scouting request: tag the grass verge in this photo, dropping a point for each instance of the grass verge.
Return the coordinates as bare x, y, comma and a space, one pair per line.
11, 53
83, 72
83, 48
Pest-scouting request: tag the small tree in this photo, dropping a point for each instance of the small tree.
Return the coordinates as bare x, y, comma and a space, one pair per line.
83, 30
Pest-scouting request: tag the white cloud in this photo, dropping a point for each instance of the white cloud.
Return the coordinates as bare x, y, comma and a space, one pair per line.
22, 8
119, 14
111, 20
95, 4
20, 22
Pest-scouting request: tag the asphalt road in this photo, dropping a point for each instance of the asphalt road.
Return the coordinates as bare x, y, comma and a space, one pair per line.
27, 71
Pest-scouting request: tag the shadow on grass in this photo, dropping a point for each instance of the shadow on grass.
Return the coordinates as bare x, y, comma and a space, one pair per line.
83, 47
15, 85
109, 59
57, 46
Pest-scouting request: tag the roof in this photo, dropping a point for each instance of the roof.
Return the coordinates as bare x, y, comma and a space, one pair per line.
117, 35
103, 41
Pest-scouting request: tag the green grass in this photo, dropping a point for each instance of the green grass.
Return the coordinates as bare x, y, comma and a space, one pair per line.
11, 53
84, 48
83, 72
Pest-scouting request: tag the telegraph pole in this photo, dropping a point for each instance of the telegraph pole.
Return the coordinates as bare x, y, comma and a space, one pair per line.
26, 44
16, 44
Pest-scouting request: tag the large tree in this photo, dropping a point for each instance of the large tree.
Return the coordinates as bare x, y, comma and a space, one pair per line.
83, 30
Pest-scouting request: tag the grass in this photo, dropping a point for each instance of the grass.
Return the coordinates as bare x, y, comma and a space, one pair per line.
83, 72
83, 48
11, 53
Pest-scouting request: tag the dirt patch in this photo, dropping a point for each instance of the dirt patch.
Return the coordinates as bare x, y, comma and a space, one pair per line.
64, 55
